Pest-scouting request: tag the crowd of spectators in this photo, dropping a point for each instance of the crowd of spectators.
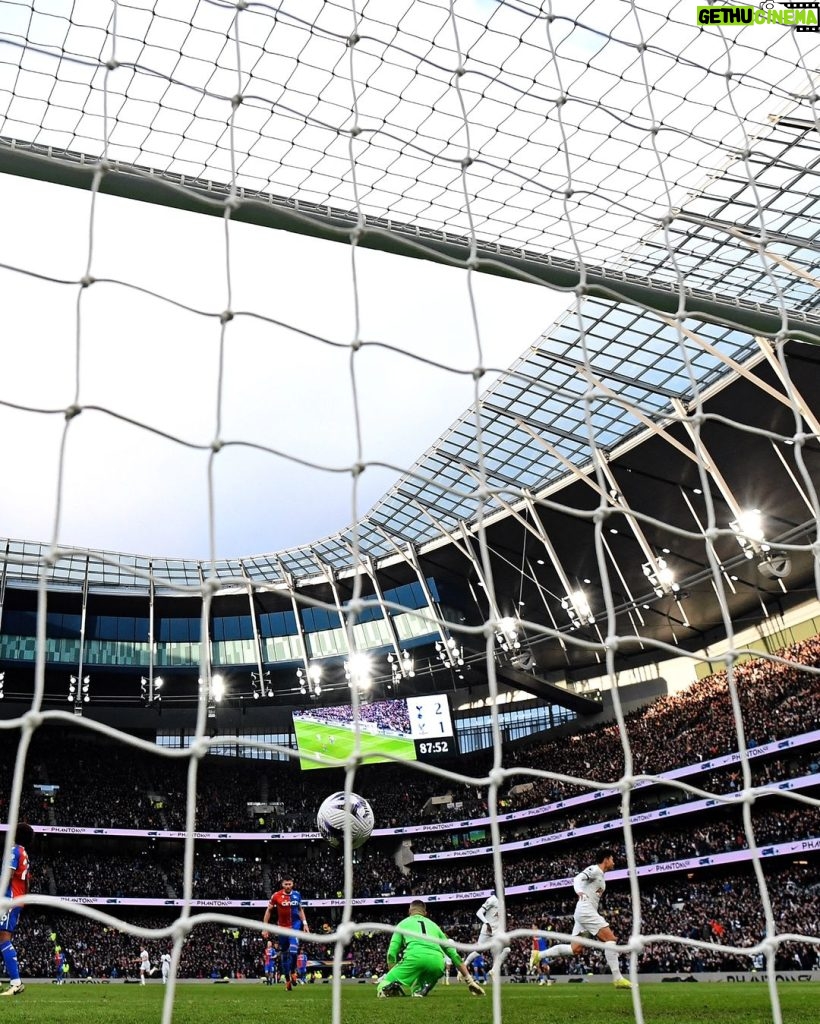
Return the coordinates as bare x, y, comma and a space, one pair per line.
150, 873
707, 913
115, 797
690, 727
720, 781
104, 788
97, 951
215, 875
137, 789
135, 874
159, 872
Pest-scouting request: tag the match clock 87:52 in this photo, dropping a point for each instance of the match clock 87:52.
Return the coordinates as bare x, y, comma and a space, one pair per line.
426, 749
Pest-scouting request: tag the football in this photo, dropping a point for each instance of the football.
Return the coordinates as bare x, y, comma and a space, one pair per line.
336, 811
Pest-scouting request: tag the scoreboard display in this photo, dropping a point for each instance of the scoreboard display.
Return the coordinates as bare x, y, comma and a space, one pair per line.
406, 728
431, 727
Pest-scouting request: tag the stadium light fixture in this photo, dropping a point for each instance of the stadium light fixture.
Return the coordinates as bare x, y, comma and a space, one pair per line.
218, 687
145, 690
78, 692
748, 529
215, 692
661, 578
577, 607
359, 670
450, 652
310, 678
401, 667
751, 536
261, 685
506, 634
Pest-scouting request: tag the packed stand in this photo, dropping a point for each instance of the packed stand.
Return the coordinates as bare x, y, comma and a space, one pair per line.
136, 789
721, 911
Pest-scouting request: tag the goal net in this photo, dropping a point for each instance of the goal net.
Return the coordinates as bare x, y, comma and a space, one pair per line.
626, 196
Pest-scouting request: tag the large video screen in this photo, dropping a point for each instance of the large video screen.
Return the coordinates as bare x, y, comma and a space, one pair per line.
411, 729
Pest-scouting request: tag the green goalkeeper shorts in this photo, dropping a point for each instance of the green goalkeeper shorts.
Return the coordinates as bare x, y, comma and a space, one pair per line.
418, 968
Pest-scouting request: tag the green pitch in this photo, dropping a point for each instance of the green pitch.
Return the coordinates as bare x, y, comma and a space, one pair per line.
334, 745
581, 1004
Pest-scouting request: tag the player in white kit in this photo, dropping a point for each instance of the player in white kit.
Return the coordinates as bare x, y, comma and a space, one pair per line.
589, 887
489, 916
145, 965
165, 965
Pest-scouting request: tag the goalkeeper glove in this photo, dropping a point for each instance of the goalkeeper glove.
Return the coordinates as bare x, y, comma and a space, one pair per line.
475, 988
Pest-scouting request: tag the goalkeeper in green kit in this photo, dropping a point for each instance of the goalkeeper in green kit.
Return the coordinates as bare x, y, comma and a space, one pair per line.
414, 962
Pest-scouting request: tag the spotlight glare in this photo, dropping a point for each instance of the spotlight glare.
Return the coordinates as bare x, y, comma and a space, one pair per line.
358, 670
750, 523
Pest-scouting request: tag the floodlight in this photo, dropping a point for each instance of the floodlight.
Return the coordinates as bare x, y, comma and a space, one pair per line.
507, 634
577, 606
358, 670
661, 577
748, 527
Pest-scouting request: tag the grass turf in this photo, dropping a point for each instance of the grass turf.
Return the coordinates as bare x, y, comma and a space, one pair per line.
334, 754
311, 1004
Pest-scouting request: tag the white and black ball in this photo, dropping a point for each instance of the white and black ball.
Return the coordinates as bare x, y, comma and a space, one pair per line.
340, 808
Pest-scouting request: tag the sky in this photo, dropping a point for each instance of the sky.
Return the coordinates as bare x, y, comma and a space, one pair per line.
124, 488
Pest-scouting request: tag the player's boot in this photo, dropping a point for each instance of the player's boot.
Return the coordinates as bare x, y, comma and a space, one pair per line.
622, 983
14, 989
393, 989
288, 984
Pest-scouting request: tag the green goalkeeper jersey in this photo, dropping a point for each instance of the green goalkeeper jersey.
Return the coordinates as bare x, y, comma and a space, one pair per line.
423, 929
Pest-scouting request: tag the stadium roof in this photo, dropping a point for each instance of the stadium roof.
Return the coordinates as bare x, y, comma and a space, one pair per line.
636, 357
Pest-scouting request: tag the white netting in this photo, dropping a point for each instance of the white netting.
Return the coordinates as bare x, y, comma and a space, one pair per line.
660, 173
